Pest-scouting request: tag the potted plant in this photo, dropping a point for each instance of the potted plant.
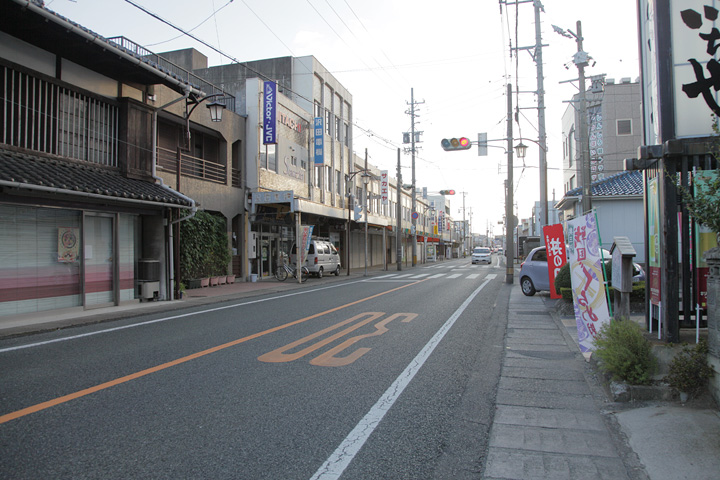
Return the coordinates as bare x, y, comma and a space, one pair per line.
689, 370
181, 290
231, 279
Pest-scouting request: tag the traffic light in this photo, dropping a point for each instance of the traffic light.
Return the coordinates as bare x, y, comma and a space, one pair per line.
357, 210
447, 192
452, 144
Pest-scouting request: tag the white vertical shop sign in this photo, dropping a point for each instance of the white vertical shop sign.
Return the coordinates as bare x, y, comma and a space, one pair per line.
384, 187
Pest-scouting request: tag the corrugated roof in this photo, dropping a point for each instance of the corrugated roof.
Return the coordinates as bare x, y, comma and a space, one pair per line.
623, 183
74, 177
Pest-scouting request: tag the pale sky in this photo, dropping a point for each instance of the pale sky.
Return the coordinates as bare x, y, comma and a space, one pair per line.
454, 54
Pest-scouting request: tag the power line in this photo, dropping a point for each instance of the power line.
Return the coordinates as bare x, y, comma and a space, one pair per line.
268, 27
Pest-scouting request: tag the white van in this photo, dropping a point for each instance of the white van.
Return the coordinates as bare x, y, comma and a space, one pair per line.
322, 258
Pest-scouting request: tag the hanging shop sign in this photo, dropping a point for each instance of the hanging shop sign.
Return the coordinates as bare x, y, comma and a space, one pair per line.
318, 127
384, 187
269, 113
260, 198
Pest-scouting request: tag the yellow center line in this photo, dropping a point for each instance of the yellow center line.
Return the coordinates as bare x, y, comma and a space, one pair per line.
81, 393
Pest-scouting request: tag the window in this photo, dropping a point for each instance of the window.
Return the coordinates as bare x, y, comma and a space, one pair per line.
540, 256
41, 116
338, 130
347, 135
328, 123
624, 127
270, 160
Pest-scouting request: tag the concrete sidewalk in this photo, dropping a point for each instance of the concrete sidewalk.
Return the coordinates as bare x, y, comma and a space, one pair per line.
553, 419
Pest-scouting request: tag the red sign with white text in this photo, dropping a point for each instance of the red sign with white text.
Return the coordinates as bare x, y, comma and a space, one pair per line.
556, 256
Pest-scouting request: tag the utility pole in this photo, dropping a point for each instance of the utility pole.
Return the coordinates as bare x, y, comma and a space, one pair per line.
542, 136
581, 61
365, 206
398, 228
413, 207
509, 217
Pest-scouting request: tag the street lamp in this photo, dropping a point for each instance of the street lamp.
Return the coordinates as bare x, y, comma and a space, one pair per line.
581, 60
521, 149
216, 108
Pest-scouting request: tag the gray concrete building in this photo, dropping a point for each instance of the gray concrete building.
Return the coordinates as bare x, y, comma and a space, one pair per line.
614, 130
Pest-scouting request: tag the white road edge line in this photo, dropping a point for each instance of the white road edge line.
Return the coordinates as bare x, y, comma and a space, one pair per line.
336, 464
165, 319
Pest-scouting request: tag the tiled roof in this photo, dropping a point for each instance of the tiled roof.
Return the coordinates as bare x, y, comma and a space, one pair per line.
74, 177
623, 183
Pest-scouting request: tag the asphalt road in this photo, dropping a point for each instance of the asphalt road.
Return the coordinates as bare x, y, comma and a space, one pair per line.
393, 376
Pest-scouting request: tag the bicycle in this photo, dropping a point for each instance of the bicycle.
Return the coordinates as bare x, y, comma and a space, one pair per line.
284, 270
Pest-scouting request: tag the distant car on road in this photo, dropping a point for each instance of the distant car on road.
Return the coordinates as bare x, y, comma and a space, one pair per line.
534, 271
481, 255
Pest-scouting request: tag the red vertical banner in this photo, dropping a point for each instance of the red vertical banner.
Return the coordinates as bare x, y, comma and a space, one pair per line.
556, 255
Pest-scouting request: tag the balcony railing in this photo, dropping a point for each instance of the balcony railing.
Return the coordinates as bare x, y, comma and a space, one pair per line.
171, 69
191, 166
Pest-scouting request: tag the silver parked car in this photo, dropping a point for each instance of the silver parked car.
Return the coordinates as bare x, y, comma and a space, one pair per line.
534, 271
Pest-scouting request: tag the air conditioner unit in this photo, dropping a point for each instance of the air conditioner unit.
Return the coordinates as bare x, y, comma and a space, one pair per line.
149, 290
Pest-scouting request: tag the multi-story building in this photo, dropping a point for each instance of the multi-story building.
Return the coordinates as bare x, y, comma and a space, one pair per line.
614, 130
289, 183
84, 217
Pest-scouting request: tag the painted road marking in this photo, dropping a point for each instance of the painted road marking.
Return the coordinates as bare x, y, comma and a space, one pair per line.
72, 396
336, 464
329, 358
454, 275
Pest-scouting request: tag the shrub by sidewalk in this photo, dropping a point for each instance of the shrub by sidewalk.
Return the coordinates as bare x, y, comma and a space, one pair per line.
624, 353
689, 370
